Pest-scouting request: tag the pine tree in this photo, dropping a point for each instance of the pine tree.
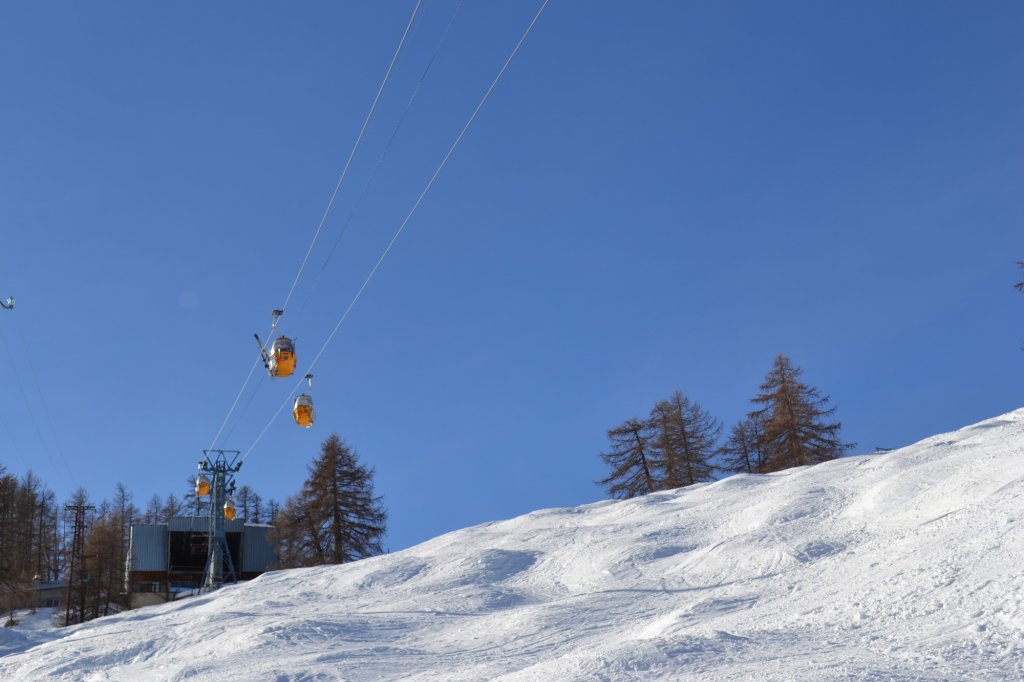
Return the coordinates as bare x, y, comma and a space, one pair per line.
630, 459
153, 509
105, 557
244, 501
742, 452
257, 509
685, 439
336, 517
125, 513
793, 416
272, 512
172, 507
30, 546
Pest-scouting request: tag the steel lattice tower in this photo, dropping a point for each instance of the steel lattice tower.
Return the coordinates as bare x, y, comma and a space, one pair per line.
77, 559
220, 466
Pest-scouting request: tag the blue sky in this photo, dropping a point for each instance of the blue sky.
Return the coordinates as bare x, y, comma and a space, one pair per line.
658, 196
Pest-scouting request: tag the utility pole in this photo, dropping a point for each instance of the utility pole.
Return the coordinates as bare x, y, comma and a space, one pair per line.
77, 557
220, 466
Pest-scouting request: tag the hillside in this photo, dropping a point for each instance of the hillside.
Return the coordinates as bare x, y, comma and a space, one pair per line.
900, 566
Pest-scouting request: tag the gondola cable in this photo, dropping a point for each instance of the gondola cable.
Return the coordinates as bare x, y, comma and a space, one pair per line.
355, 147
14, 444
327, 212
42, 396
357, 204
401, 228
245, 409
62, 472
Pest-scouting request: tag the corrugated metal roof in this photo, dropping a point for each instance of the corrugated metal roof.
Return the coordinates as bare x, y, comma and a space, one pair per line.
201, 524
257, 550
149, 547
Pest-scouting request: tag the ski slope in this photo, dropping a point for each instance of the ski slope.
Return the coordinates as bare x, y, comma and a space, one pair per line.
899, 566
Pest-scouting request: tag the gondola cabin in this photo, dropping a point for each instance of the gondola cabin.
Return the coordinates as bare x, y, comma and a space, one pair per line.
229, 510
303, 411
281, 358
202, 486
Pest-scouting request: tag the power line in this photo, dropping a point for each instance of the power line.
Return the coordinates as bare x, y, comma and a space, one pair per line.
327, 211
405, 222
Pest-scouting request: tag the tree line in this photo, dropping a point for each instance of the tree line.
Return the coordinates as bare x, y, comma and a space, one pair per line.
680, 443
31, 545
336, 517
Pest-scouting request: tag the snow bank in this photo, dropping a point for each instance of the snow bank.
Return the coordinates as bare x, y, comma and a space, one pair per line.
901, 566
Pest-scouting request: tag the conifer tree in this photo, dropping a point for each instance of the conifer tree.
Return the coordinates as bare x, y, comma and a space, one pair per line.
153, 509
30, 546
630, 459
125, 513
742, 451
272, 511
794, 420
257, 509
172, 507
105, 557
244, 501
336, 517
685, 439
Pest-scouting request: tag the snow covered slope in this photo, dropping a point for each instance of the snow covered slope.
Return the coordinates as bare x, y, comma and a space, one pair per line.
901, 566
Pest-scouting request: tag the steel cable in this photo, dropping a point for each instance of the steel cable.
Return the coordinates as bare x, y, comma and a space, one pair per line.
327, 211
401, 227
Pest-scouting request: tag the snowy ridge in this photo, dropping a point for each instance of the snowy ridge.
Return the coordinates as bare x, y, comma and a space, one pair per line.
900, 566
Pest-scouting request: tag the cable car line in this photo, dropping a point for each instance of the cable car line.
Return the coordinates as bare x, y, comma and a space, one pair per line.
32, 414
323, 220
42, 396
405, 222
9, 305
351, 155
14, 444
245, 383
380, 159
245, 410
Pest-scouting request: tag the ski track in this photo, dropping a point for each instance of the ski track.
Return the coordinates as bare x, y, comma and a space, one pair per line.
890, 567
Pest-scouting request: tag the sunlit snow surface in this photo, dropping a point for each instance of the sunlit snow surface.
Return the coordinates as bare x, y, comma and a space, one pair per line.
901, 566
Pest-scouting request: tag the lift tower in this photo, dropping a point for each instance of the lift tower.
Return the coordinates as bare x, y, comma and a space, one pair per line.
76, 581
220, 466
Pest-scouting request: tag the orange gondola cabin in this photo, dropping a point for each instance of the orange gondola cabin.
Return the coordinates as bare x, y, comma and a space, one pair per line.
281, 358
303, 411
229, 509
303, 408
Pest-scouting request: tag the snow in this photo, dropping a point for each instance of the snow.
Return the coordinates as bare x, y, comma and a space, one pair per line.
897, 566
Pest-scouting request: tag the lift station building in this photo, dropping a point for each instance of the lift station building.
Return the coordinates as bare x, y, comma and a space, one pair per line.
166, 558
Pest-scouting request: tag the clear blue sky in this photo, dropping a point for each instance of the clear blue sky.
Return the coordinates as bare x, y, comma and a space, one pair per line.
658, 196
